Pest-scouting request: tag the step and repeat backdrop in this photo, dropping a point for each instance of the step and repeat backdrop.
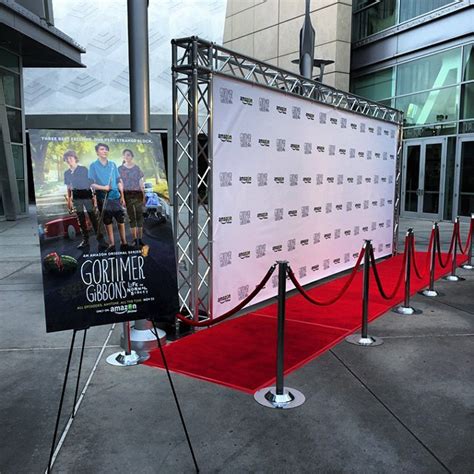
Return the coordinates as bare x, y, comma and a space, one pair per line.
294, 180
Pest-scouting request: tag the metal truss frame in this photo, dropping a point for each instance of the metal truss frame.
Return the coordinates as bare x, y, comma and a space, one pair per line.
194, 62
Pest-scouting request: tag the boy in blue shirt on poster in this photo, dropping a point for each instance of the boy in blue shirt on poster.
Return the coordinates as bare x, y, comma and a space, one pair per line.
109, 192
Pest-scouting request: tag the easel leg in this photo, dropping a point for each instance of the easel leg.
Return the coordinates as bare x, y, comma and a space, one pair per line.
165, 363
73, 414
61, 401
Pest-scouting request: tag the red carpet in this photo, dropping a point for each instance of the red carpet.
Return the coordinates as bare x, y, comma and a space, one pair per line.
240, 353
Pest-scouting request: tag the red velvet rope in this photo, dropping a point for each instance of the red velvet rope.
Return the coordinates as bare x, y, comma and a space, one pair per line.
377, 276
339, 295
469, 237
428, 255
233, 311
451, 246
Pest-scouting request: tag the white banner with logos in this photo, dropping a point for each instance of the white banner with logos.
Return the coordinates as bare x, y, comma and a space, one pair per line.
294, 180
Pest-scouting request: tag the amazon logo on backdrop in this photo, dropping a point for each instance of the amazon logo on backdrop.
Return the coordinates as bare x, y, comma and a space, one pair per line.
246, 100
225, 137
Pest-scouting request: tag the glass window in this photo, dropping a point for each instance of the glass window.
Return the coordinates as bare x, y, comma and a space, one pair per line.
467, 111
466, 191
468, 63
430, 72
375, 86
430, 130
440, 105
9, 60
14, 124
18, 160
412, 8
449, 180
21, 194
11, 87
373, 16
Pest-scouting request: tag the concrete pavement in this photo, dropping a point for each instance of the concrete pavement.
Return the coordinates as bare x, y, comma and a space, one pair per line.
405, 406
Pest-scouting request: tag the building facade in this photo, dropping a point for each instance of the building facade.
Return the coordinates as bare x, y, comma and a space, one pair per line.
413, 55
416, 56
28, 38
97, 97
268, 30
419, 57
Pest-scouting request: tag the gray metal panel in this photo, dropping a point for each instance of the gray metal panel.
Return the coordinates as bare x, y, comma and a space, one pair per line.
373, 53
8, 184
421, 36
39, 43
446, 28
94, 122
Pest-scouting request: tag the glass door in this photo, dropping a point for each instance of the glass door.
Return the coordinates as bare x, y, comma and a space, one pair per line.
464, 177
423, 171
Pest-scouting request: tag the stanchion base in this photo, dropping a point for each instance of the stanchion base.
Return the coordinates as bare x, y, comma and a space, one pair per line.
453, 278
368, 341
120, 359
467, 266
290, 398
430, 293
406, 310
143, 340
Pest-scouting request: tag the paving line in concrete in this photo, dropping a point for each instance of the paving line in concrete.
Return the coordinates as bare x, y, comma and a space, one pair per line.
79, 401
455, 307
18, 270
24, 349
426, 336
389, 410
8, 227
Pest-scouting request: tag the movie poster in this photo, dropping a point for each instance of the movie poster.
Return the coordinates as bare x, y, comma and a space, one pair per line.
104, 225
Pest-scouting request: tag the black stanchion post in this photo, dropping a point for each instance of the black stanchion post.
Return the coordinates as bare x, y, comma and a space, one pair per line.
468, 265
453, 276
282, 271
79, 373
128, 356
60, 408
406, 309
430, 291
363, 339
279, 396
